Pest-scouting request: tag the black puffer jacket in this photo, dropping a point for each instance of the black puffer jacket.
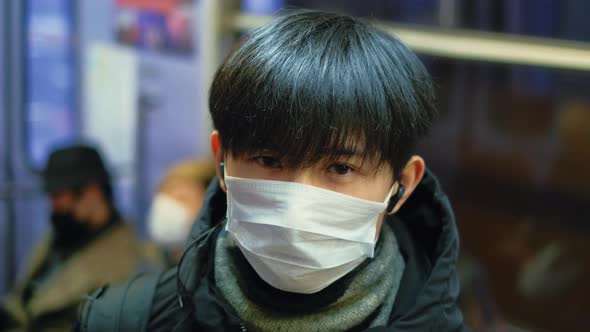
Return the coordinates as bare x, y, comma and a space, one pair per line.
186, 299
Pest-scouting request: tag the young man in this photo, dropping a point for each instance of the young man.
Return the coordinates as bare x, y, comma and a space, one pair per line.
322, 218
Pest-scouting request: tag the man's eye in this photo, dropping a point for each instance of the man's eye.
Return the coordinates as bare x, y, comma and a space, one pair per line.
269, 162
340, 169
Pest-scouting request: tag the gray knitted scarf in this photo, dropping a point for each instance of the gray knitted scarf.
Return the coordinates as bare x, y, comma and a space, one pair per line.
370, 294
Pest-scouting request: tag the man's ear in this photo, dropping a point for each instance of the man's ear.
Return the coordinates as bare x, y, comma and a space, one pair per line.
410, 178
217, 151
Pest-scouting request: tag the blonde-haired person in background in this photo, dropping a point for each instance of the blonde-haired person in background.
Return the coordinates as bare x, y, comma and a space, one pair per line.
176, 203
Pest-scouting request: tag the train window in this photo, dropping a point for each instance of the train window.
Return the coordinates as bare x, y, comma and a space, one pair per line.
50, 97
511, 149
543, 18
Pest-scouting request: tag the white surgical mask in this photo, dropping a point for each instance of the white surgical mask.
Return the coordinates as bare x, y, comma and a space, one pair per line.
169, 221
300, 238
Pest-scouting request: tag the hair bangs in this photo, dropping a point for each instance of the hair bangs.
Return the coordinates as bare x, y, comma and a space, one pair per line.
313, 87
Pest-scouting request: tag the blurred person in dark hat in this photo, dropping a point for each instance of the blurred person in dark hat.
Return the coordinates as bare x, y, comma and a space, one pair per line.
89, 245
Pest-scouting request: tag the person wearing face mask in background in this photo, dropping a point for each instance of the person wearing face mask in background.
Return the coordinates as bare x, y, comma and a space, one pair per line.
176, 204
89, 245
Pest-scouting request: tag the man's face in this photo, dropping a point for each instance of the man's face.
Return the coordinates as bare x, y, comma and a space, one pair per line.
79, 204
74, 215
347, 175
63, 201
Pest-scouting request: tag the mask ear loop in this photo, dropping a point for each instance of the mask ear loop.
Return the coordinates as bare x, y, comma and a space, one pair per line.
395, 199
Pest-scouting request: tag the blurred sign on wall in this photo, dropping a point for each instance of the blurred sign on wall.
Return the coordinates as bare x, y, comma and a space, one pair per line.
159, 25
110, 114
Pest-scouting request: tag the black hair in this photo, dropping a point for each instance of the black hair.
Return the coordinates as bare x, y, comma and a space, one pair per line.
309, 84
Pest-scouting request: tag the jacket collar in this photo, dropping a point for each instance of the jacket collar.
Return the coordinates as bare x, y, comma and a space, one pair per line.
84, 271
428, 238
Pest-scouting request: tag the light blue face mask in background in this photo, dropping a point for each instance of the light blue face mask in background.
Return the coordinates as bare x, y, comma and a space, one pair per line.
169, 222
